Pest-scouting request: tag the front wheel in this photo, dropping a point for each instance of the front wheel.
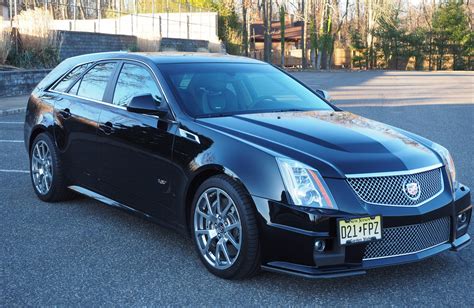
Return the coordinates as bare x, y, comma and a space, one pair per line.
225, 229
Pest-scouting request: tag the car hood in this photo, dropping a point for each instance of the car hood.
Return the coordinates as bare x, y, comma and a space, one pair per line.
336, 143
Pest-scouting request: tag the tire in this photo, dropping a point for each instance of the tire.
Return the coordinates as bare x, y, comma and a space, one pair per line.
46, 172
234, 225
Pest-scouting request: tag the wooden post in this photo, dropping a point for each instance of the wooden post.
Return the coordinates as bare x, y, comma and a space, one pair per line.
159, 21
167, 19
153, 17
187, 22
98, 16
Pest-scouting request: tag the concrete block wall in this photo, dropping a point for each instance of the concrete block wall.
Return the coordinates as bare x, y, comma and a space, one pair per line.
72, 43
20, 82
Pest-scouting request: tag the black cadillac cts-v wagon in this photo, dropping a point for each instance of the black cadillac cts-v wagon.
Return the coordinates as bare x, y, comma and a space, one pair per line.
259, 169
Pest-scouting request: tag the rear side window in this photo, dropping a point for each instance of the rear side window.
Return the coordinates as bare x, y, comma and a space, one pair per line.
94, 82
134, 80
70, 78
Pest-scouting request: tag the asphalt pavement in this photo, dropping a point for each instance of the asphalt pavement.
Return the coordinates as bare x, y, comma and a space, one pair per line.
83, 252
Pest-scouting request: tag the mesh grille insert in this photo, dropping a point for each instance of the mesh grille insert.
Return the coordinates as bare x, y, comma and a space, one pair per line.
396, 189
409, 239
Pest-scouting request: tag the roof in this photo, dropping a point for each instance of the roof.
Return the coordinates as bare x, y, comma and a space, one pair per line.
170, 57
194, 57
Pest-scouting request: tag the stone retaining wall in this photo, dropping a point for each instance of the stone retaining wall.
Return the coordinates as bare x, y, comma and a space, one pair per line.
73, 43
20, 82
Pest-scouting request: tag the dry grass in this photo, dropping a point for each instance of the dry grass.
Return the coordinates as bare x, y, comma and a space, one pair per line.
34, 27
5, 42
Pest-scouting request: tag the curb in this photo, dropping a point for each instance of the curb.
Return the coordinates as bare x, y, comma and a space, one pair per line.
12, 111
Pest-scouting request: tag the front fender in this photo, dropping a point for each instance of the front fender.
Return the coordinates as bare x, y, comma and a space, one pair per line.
218, 153
254, 167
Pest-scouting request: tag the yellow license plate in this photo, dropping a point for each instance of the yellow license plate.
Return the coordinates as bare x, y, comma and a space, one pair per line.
358, 230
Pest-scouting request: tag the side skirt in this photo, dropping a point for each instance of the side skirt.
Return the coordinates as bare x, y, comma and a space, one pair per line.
116, 204
108, 201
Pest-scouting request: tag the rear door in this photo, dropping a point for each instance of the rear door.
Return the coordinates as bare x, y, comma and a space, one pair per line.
136, 148
78, 115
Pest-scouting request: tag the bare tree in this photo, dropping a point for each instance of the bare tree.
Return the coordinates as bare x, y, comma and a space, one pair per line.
304, 32
245, 24
282, 33
267, 40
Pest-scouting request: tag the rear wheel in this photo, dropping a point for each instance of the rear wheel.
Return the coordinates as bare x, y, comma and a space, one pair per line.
225, 230
46, 170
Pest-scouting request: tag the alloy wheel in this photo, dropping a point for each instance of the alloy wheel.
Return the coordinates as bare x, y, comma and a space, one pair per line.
42, 167
217, 228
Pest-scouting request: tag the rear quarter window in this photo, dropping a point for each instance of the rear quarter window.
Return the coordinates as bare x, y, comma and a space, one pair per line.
70, 78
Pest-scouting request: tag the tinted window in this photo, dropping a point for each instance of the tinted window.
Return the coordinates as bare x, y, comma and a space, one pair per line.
95, 81
73, 90
216, 89
64, 84
134, 80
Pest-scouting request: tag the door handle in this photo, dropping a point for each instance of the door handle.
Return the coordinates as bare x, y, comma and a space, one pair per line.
107, 128
65, 113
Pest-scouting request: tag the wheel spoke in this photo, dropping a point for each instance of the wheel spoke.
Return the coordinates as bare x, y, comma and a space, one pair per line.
228, 206
217, 254
37, 152
225, 252
218, 202
42, 150
208, 204
207, 217
47, 183
36, 159
206, 248
231, 239
210, 233
232, 226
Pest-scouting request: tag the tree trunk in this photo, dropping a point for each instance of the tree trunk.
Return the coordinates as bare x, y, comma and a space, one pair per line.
370, 27
270, 38
304, 31
81, 9
321, 30
266, 30
282, 35
245, 34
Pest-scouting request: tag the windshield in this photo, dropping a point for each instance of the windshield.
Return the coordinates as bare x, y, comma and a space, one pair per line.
219, 89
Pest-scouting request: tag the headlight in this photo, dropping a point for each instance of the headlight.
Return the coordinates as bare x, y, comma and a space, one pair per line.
449, 164
305, 185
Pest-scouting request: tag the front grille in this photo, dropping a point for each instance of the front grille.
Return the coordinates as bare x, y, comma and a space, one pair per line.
409, 239
392, 190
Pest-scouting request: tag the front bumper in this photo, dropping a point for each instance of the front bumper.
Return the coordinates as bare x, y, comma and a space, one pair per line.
288, 235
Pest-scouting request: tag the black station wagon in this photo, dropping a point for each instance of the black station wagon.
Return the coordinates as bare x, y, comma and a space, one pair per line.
259, 169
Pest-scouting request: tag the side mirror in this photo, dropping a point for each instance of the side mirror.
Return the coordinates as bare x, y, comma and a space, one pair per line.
147, 104
324, 94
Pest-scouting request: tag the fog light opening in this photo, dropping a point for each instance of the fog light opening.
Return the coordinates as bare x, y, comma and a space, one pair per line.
320, 245
462, 219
